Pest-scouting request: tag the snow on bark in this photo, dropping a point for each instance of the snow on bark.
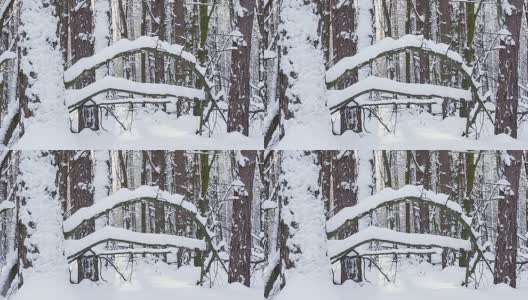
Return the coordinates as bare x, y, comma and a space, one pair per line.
302, 63
102, 31
6, 205
124, 196
102, 181
40, 217
338, 248
6, 56
42, 67
75, 248
304, 254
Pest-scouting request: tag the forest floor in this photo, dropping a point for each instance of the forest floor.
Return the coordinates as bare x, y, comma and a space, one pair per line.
142, 129
409, 129
414, 281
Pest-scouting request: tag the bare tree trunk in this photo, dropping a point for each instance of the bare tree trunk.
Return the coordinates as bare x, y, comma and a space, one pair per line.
80, 21
346, 195
423, 177
158, 24
159, 178
506, 244
82, 195
508, 78
240, 246
182, 222
345, 44
423, 27
445, 180
239, 91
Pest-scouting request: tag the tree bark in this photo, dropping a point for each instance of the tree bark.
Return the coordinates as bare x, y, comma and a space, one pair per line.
239, 90
508, 78
346, 195
506, 244
82, 195
240, 246
345, 44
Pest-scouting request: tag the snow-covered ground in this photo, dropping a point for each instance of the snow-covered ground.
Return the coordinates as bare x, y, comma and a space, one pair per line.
409, 129
146, 129
415, 280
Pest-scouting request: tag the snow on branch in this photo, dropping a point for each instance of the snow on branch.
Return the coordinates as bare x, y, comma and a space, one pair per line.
126, 196
394, 251
7, 55
6, 205
132, 251
75, 248
388, 46
338, 98
75, 98
126, 47
339, 248
391, 196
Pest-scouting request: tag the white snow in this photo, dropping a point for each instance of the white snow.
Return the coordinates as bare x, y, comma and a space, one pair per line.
7, 55
303, 64
41, 215
76, 97
123, 196
124, 46
74, 248
379, 84
366, 205
6, 205
372, 233
43, 66
381, 47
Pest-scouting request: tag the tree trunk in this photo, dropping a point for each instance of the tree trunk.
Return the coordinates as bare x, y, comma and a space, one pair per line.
345, 44
240, 246
239, 90
40, 239
423, 177
346, 195
506, 244
80, 21
82, 195
508, 78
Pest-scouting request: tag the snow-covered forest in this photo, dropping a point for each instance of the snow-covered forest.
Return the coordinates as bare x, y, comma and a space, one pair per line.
263, 149
255, 74
245, 225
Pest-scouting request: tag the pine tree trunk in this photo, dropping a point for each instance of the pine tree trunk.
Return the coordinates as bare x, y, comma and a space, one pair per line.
423, 177
506, 244
239, 90
508, 77
345, 44
81, 195
80, 21
240, 246
346, 195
